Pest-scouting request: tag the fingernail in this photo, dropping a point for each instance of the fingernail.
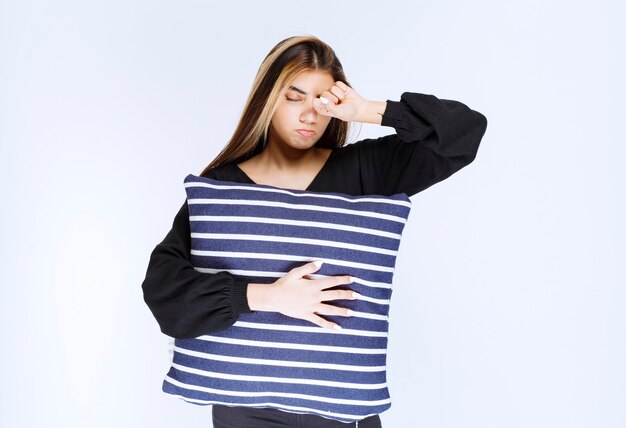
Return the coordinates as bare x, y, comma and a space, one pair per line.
336, 327
355, 295
351, 279
318, 263
350, 312
323, 100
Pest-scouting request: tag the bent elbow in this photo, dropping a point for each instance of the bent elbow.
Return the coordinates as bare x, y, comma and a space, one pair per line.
482, 124
476, 135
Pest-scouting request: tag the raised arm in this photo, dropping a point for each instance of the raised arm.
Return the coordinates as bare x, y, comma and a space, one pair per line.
434, 139
187, 303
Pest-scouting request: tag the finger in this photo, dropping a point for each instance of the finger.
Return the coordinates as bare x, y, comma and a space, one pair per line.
338, 92
339, 295
324, 309
324, 109
315, 319
342, 86
307, 268
330, 97
333, 281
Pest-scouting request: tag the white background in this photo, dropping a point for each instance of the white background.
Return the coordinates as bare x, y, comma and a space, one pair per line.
510, 285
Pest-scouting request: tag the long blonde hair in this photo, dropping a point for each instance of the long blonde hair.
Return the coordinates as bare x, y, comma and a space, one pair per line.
282, 64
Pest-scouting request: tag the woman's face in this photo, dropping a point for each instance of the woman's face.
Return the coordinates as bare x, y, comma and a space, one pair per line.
295, 111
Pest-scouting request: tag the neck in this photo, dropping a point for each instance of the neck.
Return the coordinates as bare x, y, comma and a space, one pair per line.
283, 157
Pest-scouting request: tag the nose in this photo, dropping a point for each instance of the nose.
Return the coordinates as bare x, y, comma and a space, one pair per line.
309, 115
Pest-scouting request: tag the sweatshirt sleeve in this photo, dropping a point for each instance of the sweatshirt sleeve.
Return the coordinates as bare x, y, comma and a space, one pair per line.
434, 139
187, 303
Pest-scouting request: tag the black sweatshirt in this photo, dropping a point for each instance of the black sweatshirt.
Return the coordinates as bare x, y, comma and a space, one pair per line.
434, 139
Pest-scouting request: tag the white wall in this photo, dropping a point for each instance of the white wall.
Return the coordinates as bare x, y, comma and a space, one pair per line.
511, 272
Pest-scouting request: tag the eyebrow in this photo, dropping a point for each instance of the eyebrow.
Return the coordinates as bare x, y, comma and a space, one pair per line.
293, 88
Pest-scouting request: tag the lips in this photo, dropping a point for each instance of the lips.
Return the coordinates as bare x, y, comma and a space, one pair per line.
305, 132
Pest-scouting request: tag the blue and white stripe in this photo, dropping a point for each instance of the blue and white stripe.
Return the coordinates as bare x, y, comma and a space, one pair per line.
258, 233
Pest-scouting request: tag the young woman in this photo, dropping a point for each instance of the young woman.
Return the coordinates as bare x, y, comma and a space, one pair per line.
292, 134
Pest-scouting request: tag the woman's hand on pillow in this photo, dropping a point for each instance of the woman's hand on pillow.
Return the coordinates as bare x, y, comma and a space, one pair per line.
299, 297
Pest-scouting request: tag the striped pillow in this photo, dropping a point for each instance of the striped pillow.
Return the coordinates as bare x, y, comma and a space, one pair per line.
258, 233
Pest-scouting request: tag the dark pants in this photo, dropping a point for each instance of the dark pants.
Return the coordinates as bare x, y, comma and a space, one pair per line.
249, 417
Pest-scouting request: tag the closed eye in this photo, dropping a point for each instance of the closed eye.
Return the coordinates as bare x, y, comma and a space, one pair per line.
290, 99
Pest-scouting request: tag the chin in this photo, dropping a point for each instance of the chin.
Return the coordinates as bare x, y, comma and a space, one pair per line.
303, 145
